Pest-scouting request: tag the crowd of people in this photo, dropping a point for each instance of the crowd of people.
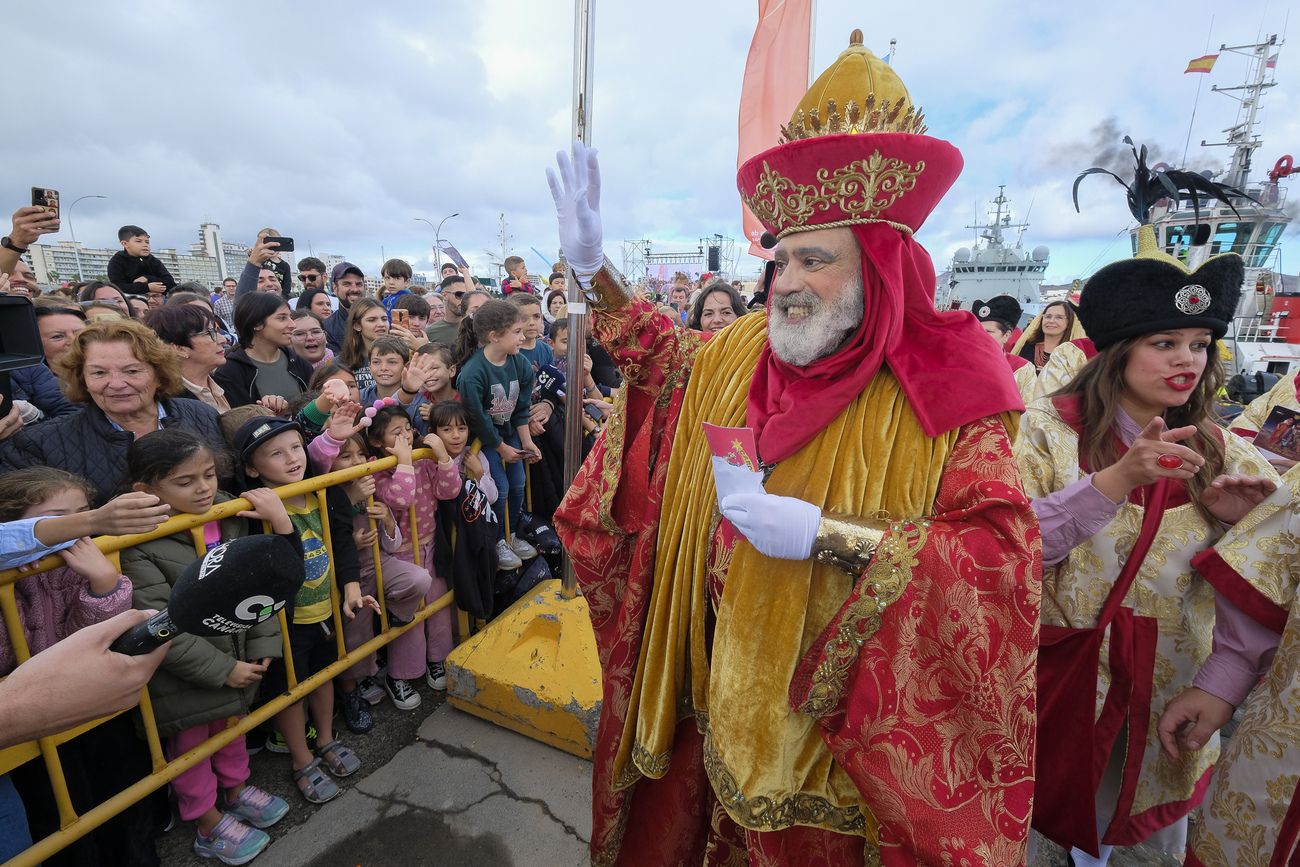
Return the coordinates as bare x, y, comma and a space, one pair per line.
871, 583
167, 398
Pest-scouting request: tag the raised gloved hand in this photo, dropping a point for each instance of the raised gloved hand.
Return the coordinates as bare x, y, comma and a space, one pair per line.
781, 527
576, 190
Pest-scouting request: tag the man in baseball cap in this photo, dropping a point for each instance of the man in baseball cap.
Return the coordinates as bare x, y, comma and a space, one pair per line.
349, 284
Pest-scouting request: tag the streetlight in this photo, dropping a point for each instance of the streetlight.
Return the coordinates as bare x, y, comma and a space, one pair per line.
437, 237
75, 249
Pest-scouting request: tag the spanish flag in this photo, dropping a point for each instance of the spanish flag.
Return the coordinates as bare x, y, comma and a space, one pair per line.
1201, 64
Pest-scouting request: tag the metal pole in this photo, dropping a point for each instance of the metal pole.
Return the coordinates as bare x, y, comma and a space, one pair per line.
583, 48
76, 251
437, 241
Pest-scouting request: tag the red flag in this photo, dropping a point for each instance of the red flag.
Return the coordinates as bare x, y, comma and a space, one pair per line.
776, 78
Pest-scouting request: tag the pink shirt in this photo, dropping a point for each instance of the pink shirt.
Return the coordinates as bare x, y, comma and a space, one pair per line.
52, 605
422, 485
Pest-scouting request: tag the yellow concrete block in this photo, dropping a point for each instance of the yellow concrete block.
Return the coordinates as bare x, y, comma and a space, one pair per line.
534, 670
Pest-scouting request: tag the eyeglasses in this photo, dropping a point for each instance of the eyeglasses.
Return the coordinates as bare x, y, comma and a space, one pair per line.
217, 336
303, 335
308, 277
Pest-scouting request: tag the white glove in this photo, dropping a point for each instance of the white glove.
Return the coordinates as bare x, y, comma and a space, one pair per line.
781, 527
730, 480
576, 191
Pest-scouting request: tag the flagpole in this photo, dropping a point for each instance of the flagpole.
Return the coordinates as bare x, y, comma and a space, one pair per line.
583, 46
812, 40
1197, 101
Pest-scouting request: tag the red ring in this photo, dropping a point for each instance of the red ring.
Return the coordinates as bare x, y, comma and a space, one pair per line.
1170, 462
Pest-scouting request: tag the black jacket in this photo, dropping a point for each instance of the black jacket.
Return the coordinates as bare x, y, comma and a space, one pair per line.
123, 270
40, 387
87, 444
465, 548
238, 376
336, 329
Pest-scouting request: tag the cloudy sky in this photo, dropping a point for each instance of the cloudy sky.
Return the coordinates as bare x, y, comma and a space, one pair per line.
339, 123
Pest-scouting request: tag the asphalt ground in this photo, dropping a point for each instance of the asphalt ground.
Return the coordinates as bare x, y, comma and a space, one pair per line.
394, 729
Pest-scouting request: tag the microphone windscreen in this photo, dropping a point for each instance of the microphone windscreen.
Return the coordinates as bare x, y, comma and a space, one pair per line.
767, 240
236, 585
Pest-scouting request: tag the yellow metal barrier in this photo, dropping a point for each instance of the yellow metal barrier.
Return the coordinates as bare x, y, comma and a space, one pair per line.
73, 826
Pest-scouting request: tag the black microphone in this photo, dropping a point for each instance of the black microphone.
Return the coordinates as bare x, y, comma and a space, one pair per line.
236, 586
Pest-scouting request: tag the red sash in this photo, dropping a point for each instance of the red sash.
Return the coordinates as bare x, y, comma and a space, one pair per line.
1074, 745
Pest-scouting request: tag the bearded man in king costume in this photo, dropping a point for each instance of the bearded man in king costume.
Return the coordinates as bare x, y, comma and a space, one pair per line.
827, 659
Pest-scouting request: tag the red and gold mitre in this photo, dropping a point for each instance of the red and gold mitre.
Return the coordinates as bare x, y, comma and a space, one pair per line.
854, 152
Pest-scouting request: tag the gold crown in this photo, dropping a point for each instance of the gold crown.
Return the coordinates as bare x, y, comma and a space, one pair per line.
871, 93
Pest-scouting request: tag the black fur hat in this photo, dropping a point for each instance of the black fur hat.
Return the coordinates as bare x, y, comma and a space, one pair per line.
1155, 292
1001, 308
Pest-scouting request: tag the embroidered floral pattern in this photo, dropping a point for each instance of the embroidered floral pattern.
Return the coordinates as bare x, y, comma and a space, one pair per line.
863, 189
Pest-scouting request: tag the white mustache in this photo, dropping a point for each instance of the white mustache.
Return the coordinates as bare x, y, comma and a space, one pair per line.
796, 299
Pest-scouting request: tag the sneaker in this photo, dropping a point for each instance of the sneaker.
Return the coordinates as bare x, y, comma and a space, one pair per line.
437, 677
538, 533
257, 808
506, 558
522, 549
275, 742
231, 842
402, 693
371, 691
356, 713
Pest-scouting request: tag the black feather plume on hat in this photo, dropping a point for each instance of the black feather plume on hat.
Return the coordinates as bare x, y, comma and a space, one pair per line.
1151, 185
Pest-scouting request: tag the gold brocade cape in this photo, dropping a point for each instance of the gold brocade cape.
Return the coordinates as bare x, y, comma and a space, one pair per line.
768, 763
1166, 590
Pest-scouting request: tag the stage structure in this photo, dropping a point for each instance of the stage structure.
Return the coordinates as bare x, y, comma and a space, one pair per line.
642, 264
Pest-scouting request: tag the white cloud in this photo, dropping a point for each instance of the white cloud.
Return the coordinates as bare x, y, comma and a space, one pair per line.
339, 124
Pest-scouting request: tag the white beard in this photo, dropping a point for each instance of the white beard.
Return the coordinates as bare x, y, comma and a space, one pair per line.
820, 333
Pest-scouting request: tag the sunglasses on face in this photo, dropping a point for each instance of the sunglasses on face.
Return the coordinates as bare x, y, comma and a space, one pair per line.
457, 295
306, 278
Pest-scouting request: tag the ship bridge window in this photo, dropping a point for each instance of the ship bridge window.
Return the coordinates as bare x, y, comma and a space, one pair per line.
1264, 246
1179, 238
1231, 237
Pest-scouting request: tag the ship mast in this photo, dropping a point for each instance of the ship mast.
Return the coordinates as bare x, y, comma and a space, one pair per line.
992, 231
1241, 135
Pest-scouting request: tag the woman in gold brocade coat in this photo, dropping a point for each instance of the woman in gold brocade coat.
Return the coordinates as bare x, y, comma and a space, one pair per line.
1251, 814
1130, 479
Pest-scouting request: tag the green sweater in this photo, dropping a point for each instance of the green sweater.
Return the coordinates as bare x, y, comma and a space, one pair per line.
496, 398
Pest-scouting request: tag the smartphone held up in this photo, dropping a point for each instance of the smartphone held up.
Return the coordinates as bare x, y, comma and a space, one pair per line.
48, 199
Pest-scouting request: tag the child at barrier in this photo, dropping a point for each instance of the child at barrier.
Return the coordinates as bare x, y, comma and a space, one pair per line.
204, 683
340, 447
58, 602
273, 453
439, 380
467, 526
52, 604
422, 485
496, 386
398, 375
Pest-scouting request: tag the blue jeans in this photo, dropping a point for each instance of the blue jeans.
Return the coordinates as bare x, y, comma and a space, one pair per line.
509, 479
15, 836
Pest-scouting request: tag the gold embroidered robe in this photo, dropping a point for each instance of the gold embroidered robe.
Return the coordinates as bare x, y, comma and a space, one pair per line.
826, 700
1251, 815
1166, 589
